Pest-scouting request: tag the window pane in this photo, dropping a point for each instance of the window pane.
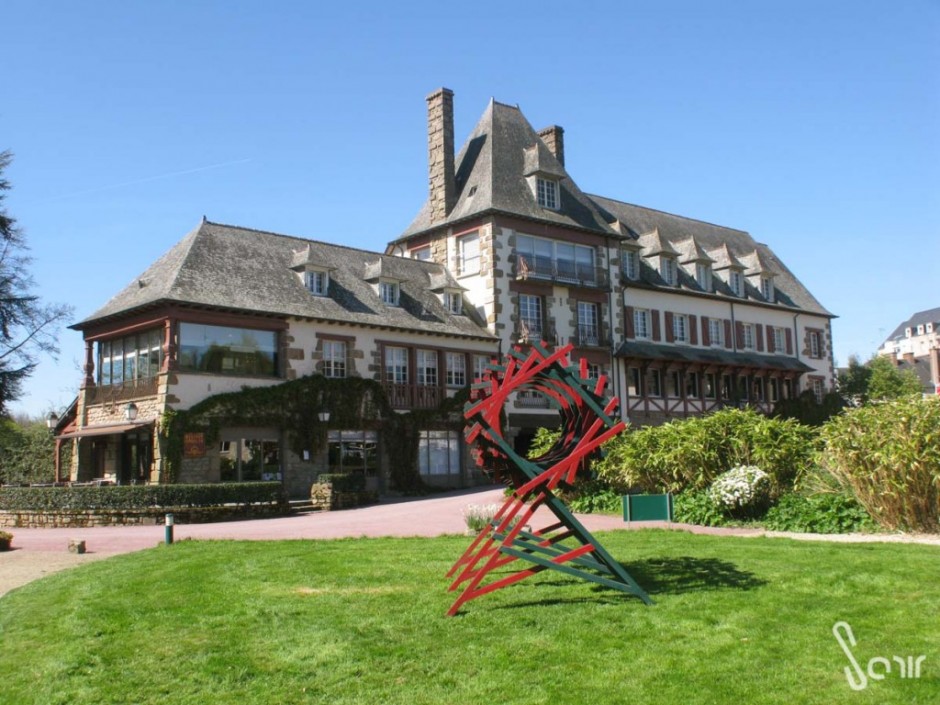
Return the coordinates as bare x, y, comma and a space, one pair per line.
225, 350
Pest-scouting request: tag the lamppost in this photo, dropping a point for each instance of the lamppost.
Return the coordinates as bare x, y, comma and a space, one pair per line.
52, 420
324, 416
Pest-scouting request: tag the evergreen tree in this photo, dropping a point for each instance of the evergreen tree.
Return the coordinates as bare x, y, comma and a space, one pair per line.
28, 327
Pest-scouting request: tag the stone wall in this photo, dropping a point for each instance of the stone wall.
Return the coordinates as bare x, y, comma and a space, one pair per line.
33, 519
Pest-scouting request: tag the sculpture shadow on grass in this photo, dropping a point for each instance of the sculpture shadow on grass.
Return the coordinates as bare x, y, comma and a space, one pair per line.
658, 576
684, 574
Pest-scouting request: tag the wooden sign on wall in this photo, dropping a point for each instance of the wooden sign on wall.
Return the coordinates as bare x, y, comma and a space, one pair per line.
194, 445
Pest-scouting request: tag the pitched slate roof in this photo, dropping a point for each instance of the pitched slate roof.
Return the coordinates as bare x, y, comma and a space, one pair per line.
727, 246
491, 170
920, 318
239, 269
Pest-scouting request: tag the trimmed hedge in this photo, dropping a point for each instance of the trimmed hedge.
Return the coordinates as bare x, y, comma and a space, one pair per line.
344, 481
139, 496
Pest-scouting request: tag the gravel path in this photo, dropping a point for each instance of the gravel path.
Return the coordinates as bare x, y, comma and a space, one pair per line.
39, 552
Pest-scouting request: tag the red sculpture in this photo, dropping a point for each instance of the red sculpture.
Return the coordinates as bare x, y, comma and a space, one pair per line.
587, 421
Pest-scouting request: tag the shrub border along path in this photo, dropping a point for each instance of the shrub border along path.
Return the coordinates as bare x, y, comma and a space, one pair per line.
428, 516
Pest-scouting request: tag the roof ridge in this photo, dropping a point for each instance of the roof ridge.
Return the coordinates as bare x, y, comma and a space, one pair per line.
306, 239
674, 215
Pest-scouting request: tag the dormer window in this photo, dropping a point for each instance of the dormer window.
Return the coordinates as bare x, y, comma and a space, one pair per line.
736, 282
630, 264
389, 292
920, 330
703, 276
317, 281
668, 270
547, 192
453, 302
767, 288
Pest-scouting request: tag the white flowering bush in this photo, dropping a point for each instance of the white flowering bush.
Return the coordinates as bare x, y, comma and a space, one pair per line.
479, 516
744, 489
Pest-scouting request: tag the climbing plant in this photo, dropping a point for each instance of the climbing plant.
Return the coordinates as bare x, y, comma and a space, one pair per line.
293, 407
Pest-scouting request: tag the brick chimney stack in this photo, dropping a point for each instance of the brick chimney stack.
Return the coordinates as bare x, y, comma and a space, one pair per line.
554, 139
442, 188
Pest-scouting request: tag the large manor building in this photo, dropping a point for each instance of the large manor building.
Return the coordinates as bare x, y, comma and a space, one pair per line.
683, 316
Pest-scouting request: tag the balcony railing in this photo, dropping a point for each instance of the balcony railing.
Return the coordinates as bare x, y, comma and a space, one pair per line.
530, 333
146, 387
531, 400
413, 396
561, 271
590, 337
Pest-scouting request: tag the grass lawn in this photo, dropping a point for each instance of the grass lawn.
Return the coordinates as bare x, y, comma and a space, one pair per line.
736, 620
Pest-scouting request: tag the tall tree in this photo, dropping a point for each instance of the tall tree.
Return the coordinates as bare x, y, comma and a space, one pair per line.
888, 382
28, 327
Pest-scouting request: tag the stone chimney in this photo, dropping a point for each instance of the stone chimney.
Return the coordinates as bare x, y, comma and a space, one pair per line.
554, 139
442, 188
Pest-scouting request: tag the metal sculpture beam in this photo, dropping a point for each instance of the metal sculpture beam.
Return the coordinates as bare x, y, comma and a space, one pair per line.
566, 546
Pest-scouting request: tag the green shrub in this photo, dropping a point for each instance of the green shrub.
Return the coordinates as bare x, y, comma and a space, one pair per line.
595, 497
697, 507
889, 455
344, 481
543, 441
140, 496
819, 514
691, 453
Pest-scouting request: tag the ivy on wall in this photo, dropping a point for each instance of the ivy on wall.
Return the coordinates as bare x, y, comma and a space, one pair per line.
294, 406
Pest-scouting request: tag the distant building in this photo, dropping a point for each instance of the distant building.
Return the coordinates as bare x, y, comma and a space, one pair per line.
915, 345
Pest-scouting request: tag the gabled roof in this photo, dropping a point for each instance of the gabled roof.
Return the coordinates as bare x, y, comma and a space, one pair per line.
756, 263
491, 170
239, 269
654, 244
727, 246
691, 251
931, 315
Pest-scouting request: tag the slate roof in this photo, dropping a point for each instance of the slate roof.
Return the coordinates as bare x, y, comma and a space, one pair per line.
490, 175
709, 356
726, 246
239, 269
918, 319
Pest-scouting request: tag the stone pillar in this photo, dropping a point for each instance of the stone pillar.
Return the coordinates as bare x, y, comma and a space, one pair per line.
554, 139
442, 188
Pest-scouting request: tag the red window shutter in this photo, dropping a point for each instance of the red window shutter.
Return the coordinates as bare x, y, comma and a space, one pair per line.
628, 319
789, 342
759, 334
706, 336
657, 334
693, 330
670, 331
739, 335
729, 343
770, 340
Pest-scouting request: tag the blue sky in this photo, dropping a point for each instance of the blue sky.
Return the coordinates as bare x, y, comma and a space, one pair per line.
814, 125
